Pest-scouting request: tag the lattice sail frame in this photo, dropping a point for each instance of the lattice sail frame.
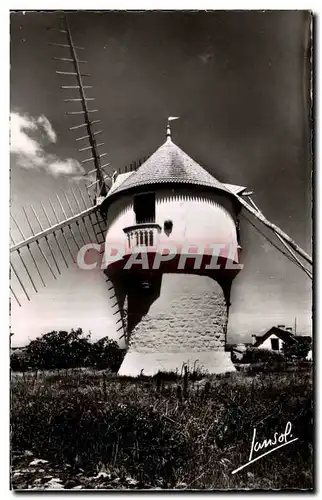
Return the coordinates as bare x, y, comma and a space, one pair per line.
56, 245
57, 232
98, 185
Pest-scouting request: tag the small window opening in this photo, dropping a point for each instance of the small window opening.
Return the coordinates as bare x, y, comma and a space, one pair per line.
168, 225
274, 343
144, 208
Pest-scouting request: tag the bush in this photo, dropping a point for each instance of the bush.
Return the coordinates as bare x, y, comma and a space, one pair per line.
298, 349
256, 355
19, 361
62, 350
105, 353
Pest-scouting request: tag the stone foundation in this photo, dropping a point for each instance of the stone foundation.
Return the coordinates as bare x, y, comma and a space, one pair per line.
186, 323
151, 363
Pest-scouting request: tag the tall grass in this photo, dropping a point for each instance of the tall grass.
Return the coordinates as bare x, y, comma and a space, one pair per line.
163, 436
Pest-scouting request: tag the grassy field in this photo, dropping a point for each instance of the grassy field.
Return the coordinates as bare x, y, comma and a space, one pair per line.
96, 431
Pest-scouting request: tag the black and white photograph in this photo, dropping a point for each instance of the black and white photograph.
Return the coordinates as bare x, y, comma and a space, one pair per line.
161, 243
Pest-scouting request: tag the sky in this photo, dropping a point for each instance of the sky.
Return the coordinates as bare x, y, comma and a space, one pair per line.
238, 81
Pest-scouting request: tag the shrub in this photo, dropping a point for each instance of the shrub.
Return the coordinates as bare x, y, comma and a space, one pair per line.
106, 353
256, 355
63, 350
19, 361
299, 349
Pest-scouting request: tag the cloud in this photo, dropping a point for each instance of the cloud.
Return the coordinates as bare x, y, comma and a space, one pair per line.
64, 167
20, 142
45, 123
28, 138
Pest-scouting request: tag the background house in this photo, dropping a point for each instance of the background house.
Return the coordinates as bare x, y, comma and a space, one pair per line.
277, 336
238, 351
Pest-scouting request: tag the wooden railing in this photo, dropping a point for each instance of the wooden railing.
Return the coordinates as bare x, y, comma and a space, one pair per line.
142, 235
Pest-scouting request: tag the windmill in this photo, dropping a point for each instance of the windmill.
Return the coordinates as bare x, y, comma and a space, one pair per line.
88, 216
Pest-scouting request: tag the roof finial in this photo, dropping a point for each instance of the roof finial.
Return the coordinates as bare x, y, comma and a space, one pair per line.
170, 119
168, 132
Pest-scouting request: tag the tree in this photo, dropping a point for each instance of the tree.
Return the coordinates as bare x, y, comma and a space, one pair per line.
298, 349
59, 350
19, 361
38, 355
106, 353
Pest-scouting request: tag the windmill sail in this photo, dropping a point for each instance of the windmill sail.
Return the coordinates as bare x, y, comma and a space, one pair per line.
75, 219
294, 251
254, 210
52, 241
98, 187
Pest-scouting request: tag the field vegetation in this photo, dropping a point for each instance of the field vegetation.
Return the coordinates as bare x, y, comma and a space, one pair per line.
188, 431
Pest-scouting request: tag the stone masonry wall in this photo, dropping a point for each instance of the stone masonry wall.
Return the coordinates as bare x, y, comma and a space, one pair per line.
189, 315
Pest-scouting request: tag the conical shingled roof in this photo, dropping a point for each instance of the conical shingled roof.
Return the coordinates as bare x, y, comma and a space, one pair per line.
169, 164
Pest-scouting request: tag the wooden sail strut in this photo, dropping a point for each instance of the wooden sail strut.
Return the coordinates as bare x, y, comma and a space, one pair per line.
276, 229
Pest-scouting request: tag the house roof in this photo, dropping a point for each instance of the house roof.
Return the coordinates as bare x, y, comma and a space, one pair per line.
19, 351
236, 347
169, 164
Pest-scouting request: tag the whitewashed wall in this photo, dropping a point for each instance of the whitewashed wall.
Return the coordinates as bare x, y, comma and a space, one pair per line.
268, 345
197, 219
